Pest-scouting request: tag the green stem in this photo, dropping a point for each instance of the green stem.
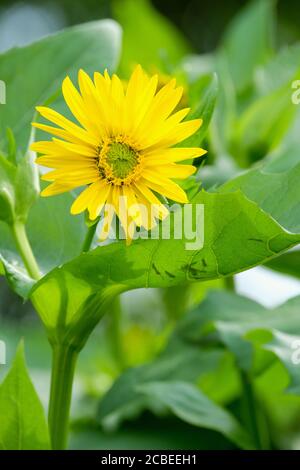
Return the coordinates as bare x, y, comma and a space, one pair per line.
63, 368
115, 333
24, 248
251, 411
229, 283
89, 238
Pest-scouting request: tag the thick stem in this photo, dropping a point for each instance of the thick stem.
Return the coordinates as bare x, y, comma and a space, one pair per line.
115, 333
63, 368
24, 248
89, 238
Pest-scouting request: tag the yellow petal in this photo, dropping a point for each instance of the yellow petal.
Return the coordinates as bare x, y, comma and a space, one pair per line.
162, 211
177, 154
174, 170
66, 124
57, 188
164, 186
101, 194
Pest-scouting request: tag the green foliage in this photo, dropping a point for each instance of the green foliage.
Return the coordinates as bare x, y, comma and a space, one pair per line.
23, 424
203, 105
233, 225
288, 263
248, 42
54, 233
192, 406
149, 39
90, 46
19, 189
227, 354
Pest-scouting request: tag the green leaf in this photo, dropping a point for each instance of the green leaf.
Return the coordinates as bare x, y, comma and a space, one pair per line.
19, 188
17, 277
92, 46
248, 41
202, 108
55, 235
142, 434
247, 328
261, 183
263, 125
279, 70
192, 406
149, 38
288, 263
23, 424
7, 194
81, 290
12, 146
179, 361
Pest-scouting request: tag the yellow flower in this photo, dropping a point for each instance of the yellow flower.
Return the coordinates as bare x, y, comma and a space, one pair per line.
122, 147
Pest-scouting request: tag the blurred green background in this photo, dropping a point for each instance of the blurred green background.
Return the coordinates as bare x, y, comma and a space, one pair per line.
136, 334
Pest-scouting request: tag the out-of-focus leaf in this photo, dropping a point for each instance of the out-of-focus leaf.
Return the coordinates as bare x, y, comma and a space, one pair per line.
23, 424
263, 125
142, 434
248, 41
179, 361
148, 38
92, 46
278, 71
191, 405
56, 235
288, 263
203, 108
246, 328
7, 195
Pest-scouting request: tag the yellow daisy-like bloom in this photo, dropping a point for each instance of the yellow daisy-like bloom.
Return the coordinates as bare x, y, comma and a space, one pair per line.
122, 147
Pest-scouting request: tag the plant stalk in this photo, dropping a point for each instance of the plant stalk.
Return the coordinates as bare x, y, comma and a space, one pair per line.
63, 367
24, 248
89, 238
229, 283
252, 411
115, 333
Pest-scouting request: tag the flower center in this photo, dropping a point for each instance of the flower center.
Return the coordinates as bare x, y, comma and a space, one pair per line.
119, 162
122, 159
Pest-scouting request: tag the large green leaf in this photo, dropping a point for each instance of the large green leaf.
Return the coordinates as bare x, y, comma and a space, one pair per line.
35, 72
277, 193
191, 405
237, 235
23, 424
